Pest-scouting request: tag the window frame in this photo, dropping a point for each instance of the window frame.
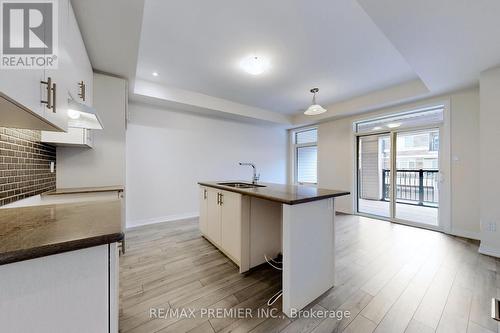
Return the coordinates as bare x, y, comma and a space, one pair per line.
294, 153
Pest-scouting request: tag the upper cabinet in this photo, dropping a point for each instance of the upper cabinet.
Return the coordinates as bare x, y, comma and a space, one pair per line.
80, 85
23, 90
78, 81
45, 91
57, 112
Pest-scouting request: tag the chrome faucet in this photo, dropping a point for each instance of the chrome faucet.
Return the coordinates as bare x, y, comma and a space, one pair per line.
256, 176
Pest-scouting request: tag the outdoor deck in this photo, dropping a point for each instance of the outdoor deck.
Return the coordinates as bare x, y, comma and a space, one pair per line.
413, 213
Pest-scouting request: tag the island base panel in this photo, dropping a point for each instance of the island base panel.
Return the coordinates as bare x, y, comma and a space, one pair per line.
308, 252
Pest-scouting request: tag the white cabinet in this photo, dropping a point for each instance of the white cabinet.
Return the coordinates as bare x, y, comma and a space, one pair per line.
23, 86
213, 216
78, 82
80, 74
59, 76
76, 291
221, 220
78, 137
26, 88
230, 215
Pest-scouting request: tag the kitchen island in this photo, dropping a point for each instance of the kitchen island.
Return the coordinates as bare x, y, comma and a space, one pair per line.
251, 222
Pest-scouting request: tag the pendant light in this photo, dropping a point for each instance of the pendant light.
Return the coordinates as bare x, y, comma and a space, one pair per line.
314, 109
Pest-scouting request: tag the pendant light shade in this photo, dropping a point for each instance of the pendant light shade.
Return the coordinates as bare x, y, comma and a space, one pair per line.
314, 109
82, 116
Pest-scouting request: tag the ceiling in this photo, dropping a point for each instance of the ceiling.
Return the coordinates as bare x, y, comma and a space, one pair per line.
197, 45
111, 30
447, 42
362, 54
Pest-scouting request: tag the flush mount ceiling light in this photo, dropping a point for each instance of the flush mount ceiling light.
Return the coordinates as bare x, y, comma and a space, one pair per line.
393, 125
314, 109
155, 74
255, 65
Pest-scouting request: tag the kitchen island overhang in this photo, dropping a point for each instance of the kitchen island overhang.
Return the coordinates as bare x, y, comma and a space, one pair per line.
267, 219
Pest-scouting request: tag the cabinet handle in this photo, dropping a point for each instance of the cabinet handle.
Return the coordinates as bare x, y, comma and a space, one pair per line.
48, 102
54, 91
82, 91
221, 197
218, 198
204, 194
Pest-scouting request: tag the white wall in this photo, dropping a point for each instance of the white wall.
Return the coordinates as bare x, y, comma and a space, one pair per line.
105, 163
169, 152
490, 161
336, 158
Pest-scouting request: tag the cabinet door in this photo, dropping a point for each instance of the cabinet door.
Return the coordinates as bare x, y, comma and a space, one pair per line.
67, 292
231, 224
80, 68
59, 75
114, 287
213, 216
203, 194
23, 86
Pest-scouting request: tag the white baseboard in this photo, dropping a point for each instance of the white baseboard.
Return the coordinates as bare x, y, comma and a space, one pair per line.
465, 233
489, 251
162, 219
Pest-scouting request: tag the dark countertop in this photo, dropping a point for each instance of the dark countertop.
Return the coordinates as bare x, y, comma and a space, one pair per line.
286, 194
37, 231
86, 190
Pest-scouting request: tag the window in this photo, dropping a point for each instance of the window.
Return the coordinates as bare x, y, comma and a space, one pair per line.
434, 141
305, 146
417, 118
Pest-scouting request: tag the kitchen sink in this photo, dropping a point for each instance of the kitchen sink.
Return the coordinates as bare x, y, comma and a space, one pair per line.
241, 185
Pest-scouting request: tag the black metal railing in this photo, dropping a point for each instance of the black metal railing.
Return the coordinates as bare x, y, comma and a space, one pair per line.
417, 187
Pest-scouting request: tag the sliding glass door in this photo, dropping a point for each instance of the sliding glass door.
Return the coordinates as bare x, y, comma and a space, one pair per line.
406, 155
374, 162
417, 163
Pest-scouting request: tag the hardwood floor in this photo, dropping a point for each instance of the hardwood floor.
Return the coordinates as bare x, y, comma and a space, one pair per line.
392, 278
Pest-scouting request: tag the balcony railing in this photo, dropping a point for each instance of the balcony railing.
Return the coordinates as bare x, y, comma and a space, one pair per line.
418, 187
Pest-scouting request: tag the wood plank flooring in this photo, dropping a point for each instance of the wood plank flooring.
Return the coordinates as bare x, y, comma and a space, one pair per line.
392, 278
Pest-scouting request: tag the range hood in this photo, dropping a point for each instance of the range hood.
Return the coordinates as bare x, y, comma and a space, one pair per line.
82, 116
15, 115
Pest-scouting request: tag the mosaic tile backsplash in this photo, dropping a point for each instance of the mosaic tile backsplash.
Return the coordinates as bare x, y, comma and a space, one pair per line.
24, 165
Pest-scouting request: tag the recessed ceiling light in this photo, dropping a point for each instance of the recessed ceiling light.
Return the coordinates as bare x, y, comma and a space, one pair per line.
377, 128
393, 125
255, 64
155, 74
